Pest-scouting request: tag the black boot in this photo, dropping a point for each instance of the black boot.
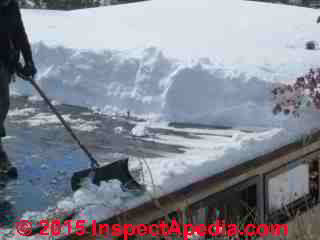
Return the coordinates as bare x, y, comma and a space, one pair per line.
6, 166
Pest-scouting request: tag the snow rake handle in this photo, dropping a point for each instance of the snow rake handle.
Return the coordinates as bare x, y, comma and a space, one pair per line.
94, 163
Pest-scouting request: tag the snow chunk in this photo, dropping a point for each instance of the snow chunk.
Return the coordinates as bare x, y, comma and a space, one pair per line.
119, 130
108, 198
140, 130
35, 98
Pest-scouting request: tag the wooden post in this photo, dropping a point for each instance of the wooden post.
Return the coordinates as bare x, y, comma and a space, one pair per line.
318, 179
261, 200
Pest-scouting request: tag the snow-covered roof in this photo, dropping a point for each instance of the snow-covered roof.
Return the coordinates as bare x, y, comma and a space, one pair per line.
201, 61
198, 61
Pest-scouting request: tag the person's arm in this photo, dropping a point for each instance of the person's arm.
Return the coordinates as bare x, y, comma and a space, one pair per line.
21, 43
19, 36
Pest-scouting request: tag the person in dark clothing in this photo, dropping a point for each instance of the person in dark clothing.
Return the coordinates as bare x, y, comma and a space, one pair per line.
13, 42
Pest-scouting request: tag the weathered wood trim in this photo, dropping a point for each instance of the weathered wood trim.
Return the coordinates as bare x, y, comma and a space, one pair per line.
261, 199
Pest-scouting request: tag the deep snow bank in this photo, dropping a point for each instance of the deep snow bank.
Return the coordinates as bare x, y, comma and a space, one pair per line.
205, 61
147, 82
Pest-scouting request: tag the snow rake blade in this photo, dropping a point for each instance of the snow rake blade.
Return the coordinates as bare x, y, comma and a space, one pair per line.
116, 170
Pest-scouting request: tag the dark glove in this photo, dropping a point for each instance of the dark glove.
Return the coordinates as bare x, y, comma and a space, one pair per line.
318, 20
26, 72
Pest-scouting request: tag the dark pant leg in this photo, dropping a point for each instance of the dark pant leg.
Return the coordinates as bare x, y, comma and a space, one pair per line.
4, 98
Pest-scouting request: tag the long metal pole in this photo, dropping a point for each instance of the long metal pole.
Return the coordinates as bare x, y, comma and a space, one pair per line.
94, 163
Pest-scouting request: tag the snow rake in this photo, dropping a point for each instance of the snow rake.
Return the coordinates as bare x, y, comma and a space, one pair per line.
97, 173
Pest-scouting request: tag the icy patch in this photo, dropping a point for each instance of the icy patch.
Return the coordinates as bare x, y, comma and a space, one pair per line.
21, 112
35, 98
81, 124
41, 119
86, 126
48, 118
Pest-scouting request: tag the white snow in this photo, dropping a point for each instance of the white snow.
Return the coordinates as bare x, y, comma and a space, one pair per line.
118, 130
44, 166
21, 112
208, 155
208, 68
49, 118
140, 130
35, 98
202, 61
